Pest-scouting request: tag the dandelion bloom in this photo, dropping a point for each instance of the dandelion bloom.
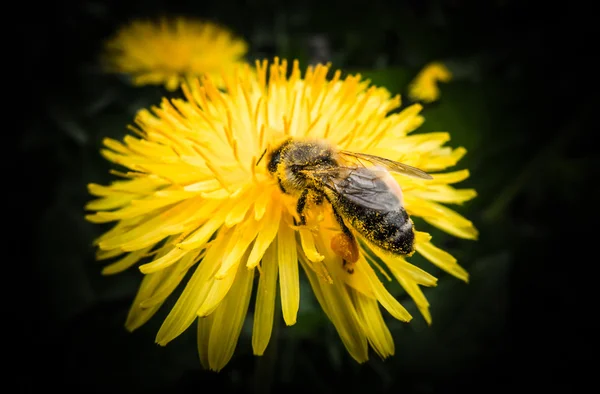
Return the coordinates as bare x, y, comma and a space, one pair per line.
170, 51
424, 87
196, 197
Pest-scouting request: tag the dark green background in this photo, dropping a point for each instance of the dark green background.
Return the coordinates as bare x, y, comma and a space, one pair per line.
522, 103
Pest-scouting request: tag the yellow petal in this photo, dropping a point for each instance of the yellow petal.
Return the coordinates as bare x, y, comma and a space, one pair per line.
413, 272
219, 194
450, 177
177, 173
265, 302
424, 87
137, 186
445, 158
421, 236
399, 265
126, 262
442, 259
242, 237
418, 142
265, 237
199, 237
466, 231
383, 296
118, 229
145, 206
308, 246
203, 333
445, 194
288, 271
170, 258
168, 222
338, 307
414, 291
440, 216
150, 286
218, 290
172, 83
115, 145
208, 185
110, 202
170, 282
186, 308
260, 206
239, 211
377, 332
229, 319
107, 254
137, 315
406, 121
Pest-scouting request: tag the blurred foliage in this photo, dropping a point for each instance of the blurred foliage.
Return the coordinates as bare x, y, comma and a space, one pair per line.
511, 104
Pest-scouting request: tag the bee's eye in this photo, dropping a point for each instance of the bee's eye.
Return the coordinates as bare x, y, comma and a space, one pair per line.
274, 161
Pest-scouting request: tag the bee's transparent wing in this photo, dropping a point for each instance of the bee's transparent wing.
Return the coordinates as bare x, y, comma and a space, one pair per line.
366, 188
391, 165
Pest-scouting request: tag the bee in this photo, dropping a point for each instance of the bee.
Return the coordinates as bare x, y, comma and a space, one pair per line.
366, 200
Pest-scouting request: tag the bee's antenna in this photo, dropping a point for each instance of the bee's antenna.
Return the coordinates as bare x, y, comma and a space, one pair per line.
261, 157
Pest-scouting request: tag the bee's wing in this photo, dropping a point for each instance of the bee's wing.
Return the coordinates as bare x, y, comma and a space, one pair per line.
391, 165
364, 187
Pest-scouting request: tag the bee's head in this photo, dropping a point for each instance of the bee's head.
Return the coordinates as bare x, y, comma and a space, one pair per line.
274, 157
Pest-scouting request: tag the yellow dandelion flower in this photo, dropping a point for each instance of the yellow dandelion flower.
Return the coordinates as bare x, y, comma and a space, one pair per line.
424, 87
171, 51
204, 192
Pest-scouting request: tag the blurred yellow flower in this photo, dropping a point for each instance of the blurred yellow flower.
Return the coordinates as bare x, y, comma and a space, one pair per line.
424, 87
198, 197
170, 51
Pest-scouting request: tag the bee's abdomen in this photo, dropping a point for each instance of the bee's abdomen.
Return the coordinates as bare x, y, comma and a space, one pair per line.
391, 230
403, 239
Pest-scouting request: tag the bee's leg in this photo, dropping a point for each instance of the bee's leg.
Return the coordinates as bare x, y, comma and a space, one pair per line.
340, 221
301, 205
348, 266
345, 245
281, 186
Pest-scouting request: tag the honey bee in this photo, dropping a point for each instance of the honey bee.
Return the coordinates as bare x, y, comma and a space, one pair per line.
366, 200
